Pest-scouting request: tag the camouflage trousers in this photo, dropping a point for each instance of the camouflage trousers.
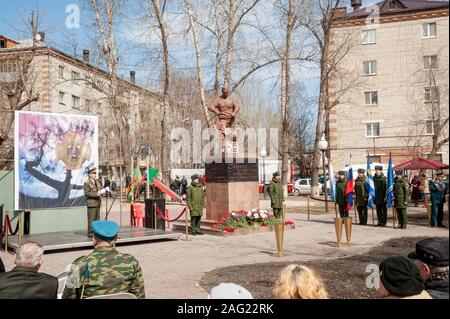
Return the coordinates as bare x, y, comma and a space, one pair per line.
343, 212
402, 217
93, 213
195, 223
277, 212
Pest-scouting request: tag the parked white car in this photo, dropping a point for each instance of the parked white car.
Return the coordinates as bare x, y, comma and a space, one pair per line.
302, 186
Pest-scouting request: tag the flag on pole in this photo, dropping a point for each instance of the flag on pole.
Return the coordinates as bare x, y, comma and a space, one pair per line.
332, 182
390, 184
370, 186
349, 186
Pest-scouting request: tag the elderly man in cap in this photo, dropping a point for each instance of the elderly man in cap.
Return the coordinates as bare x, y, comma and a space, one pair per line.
401, 195
341, 199
105, 271
431, 257
276, 195
196, 203
362, 196
93, 189
379, 181
437, 191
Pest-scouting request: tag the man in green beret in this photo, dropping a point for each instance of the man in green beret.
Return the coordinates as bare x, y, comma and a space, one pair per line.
196, 202
92, 190
379, 181
276, 195
105, 271
341, 199
401, 195
362, 196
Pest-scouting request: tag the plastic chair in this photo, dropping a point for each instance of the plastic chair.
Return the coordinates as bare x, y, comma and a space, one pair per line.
138, 214
122, 295
62, 279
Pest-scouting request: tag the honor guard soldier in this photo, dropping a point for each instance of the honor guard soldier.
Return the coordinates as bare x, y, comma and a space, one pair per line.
105, 271
276, 195
341, 199
438, 191
379, 181
196, 203
401, 195
362, 196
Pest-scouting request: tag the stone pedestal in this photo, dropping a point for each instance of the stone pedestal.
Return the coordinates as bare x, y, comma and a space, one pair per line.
231, 185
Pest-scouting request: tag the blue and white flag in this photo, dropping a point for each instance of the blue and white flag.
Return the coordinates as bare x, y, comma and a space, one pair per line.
332, 182
390, 184
370, 186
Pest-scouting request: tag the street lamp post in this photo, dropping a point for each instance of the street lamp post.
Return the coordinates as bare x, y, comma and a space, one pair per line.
323, 146
263, 155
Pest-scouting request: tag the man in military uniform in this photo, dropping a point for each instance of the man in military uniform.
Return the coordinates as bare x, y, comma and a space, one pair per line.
276, 195
362, 196
437, 191
401, 195
196, 203
379, 181
341, 199
92, 190
105, 271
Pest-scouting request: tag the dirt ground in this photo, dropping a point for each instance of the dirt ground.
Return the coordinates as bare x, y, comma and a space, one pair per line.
344, 278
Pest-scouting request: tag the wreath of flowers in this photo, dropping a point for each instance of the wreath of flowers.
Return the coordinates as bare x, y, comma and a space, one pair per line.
245, 219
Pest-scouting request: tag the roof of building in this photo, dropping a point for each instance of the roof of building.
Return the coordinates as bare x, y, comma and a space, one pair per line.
401, 6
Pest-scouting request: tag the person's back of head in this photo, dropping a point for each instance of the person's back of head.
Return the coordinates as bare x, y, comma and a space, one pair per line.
30, 255
229, 291
299, 282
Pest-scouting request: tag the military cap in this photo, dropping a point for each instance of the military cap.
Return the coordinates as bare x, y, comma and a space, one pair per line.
276, 174
105, 229
439, 173
431, 251
401, 277
195, 176
361, 170
378, 167
342, 173
398, 172
92, 170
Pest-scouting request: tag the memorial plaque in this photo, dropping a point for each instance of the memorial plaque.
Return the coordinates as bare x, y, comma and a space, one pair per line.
232, 172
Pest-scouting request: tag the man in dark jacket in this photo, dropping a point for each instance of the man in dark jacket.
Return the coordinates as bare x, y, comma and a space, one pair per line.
379, 181
437, 191
431, 257
196, 203
401, 195
276, 195
341, 200
24, 281
362, 196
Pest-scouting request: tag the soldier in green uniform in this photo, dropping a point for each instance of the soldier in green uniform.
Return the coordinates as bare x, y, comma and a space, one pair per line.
401, 195
276, 195
196, 203
341, 199
379, 181
362, 196
92, 190
105, 271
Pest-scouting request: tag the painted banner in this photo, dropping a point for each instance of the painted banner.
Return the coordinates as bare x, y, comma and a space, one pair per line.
52, 155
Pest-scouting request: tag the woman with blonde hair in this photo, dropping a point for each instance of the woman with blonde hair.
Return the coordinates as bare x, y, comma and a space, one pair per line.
299, 282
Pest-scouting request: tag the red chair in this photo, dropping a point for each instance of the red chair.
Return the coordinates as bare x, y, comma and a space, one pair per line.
137, 215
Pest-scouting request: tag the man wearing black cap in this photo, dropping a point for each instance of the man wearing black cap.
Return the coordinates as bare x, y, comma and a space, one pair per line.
401, 195
431, 257
437, 190
196, 203
362, 196
276, 195
379, 181
341, 199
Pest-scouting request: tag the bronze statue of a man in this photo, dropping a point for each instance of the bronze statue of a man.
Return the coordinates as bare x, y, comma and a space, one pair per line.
226, 107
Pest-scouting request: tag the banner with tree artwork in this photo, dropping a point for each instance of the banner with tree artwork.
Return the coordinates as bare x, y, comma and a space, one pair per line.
52, 155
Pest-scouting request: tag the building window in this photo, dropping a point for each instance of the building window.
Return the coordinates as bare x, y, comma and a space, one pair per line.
429, 30
61, 96
75, 76
371, 97
375, 159
430, 62
369, 37
61, 72
431, 94
75, 102
437, 158
373, 129
88, 104
430, 126
2, 44
370, 67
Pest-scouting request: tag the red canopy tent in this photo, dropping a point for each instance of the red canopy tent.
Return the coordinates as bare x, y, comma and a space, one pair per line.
419, 163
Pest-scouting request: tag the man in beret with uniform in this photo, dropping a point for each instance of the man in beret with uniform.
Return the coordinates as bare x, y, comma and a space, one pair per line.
362, 196
276, 195
196, 202
401, 195
431, 257
341, 200
92, 190
379, 181
437, 191
105, 271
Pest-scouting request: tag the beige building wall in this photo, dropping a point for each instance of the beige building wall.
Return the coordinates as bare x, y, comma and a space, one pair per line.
400, 80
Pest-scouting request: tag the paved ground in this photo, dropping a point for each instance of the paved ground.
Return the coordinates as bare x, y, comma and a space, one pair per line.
173, 269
